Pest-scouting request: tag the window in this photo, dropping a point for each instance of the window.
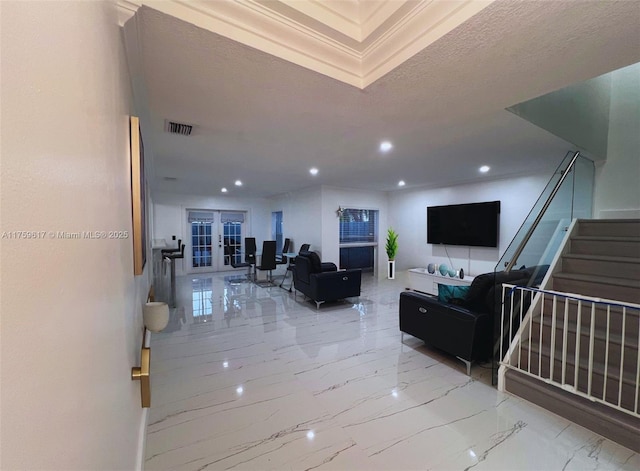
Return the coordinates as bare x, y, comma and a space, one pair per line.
358, 238
358, 225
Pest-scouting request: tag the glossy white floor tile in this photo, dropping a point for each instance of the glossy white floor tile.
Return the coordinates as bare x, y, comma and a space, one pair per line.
251, 378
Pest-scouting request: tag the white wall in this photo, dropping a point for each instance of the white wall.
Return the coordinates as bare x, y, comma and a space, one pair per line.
617, 192
578, 113
71, 309
310, 217
408, 216
170, 216
301, 217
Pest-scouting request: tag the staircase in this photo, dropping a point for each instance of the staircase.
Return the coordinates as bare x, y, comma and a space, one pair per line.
600, 345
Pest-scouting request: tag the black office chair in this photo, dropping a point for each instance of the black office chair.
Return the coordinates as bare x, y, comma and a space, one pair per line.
250, 251
171, 251
268, 260
237, 264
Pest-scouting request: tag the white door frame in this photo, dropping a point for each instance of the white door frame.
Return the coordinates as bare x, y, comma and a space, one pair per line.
217, 244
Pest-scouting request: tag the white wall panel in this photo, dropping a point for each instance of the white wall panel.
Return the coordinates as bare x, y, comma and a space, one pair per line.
408, 215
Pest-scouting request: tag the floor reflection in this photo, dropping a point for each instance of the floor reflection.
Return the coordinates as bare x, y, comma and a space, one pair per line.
201, 292
247, 377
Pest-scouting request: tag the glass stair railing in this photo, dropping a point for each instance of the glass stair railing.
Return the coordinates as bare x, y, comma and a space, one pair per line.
567, 196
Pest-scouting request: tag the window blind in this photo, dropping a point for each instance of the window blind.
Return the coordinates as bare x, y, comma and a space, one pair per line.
232, 217
358, 225
200, 216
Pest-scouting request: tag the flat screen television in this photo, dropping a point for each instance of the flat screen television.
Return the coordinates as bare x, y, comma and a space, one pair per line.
473, 224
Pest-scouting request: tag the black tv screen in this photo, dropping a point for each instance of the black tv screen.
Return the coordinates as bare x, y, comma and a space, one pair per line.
473, 224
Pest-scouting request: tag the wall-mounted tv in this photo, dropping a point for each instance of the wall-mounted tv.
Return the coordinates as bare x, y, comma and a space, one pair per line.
473, 224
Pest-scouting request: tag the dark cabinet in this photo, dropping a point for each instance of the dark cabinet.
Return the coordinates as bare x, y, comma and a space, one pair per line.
356, 257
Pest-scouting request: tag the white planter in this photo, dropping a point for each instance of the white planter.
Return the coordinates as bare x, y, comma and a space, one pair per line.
155, 316
391, 269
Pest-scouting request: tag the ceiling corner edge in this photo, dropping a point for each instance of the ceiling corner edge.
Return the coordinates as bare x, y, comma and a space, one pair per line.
126, 10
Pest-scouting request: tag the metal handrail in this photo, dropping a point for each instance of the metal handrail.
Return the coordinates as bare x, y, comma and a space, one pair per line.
546, 205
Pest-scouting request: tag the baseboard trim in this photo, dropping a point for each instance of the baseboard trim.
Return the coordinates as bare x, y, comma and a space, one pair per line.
142, 440
610, 423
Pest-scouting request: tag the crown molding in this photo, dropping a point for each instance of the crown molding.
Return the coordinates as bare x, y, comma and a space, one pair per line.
333, 15
374, 14
323, 38
424, 24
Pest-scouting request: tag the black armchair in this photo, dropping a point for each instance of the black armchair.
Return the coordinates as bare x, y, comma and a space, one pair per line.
463, 327
322, 281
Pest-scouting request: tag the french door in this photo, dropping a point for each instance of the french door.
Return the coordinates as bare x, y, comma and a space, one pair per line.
210, 231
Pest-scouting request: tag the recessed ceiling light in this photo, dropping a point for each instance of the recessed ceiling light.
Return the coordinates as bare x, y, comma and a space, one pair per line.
223, 189
401, 183
238, 183
385, 146
484, 168
313, 171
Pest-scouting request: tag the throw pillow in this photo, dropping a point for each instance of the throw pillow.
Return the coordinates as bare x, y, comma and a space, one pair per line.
449, 294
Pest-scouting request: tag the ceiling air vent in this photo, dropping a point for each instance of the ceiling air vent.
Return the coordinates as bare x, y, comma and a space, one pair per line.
178, 128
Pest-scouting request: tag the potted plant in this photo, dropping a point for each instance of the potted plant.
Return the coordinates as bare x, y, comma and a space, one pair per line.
392, 250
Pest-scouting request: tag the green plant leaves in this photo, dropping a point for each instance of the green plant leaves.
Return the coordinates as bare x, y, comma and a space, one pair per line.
392, 244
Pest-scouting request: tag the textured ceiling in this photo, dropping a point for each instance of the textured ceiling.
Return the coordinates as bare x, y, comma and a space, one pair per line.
266, 121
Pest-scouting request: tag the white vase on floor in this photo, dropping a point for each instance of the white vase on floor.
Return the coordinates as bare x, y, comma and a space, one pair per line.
391, 270
155, 316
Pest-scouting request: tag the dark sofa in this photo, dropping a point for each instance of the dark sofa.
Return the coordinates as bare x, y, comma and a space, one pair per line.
463, 327
322, 281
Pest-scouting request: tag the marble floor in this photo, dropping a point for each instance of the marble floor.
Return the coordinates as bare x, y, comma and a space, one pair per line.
246, 377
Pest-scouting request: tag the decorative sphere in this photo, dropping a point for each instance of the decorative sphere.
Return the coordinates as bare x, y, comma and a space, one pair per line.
444, 269
452, 273
431, 268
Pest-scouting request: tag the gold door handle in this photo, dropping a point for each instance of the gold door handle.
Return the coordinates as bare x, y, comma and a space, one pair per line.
141, 373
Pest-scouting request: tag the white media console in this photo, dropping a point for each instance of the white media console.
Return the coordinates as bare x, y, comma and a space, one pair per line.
421, 280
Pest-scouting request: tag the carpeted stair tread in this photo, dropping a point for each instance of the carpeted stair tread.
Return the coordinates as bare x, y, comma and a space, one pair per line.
602, 258
607, 238
598, 366
598, 279
616, 425
572, 327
